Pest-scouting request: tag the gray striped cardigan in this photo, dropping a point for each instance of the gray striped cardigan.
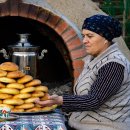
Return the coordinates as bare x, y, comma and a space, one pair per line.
114, 114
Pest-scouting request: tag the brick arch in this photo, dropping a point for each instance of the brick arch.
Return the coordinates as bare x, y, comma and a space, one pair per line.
61, 27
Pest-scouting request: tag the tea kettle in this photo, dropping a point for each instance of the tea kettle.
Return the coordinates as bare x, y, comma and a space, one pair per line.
25, 55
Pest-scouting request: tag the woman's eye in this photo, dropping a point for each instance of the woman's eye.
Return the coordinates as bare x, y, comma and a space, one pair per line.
87, 36
90, 36
83, 36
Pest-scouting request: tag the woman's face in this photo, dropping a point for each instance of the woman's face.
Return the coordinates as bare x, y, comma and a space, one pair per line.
94, 43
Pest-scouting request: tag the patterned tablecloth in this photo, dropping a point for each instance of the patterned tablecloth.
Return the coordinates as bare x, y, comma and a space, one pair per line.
39, 121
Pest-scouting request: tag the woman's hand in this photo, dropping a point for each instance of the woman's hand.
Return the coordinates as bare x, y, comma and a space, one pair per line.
52, 100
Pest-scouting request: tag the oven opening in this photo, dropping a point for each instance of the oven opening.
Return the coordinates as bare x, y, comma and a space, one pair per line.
55, 68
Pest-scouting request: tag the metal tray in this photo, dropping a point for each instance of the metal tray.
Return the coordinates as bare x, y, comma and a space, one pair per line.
38, 112
33, 113
11, 117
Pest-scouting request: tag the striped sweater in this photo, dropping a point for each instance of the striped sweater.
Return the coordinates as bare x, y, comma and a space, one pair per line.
105, 94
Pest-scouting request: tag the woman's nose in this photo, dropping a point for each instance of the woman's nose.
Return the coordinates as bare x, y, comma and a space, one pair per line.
85, 40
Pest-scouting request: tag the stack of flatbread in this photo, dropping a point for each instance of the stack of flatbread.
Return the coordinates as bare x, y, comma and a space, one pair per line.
18, 91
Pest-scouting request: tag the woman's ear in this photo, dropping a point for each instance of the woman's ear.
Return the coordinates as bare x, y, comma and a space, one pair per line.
105, 41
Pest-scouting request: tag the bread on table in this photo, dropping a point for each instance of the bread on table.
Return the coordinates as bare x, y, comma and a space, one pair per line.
42, 88
25, 79
7, 80
19, 91
15, 74
13, 101
3, 73
34, 82
12, 91
9, 66
15, 85
5, 96
22, 96
2, 85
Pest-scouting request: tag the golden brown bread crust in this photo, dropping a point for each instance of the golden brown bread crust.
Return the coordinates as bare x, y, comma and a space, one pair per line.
2, 85
17, 110
22, 95
33, 83
37, 105
15, 85
19, 91
13, 101
25, 79
49, 108
9, 66
5, 96
42, 88
31, 100
7, 80
12, 91
15, 74
27, 90
1, 101
6, 105
3, 73
38, 94
45, 97
25, 106
34, 109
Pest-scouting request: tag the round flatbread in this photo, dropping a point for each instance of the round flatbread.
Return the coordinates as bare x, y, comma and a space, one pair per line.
3, 73
9, 66
15, 85
15, 74
12, 91
13, 101
25, 79
7, 80
33, 83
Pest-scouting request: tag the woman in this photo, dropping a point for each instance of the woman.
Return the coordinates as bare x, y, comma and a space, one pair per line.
101, 99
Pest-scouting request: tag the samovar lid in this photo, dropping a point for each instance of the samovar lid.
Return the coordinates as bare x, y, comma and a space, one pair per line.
23, 44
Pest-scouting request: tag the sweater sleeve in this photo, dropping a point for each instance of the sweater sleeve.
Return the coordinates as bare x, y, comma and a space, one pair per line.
108, 82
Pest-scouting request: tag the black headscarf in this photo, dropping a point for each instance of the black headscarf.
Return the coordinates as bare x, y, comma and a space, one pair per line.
103, 25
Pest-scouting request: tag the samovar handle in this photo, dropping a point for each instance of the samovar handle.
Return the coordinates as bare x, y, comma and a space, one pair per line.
4, 52
42, 54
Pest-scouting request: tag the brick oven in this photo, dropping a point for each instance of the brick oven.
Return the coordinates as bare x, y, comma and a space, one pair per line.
48, 30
